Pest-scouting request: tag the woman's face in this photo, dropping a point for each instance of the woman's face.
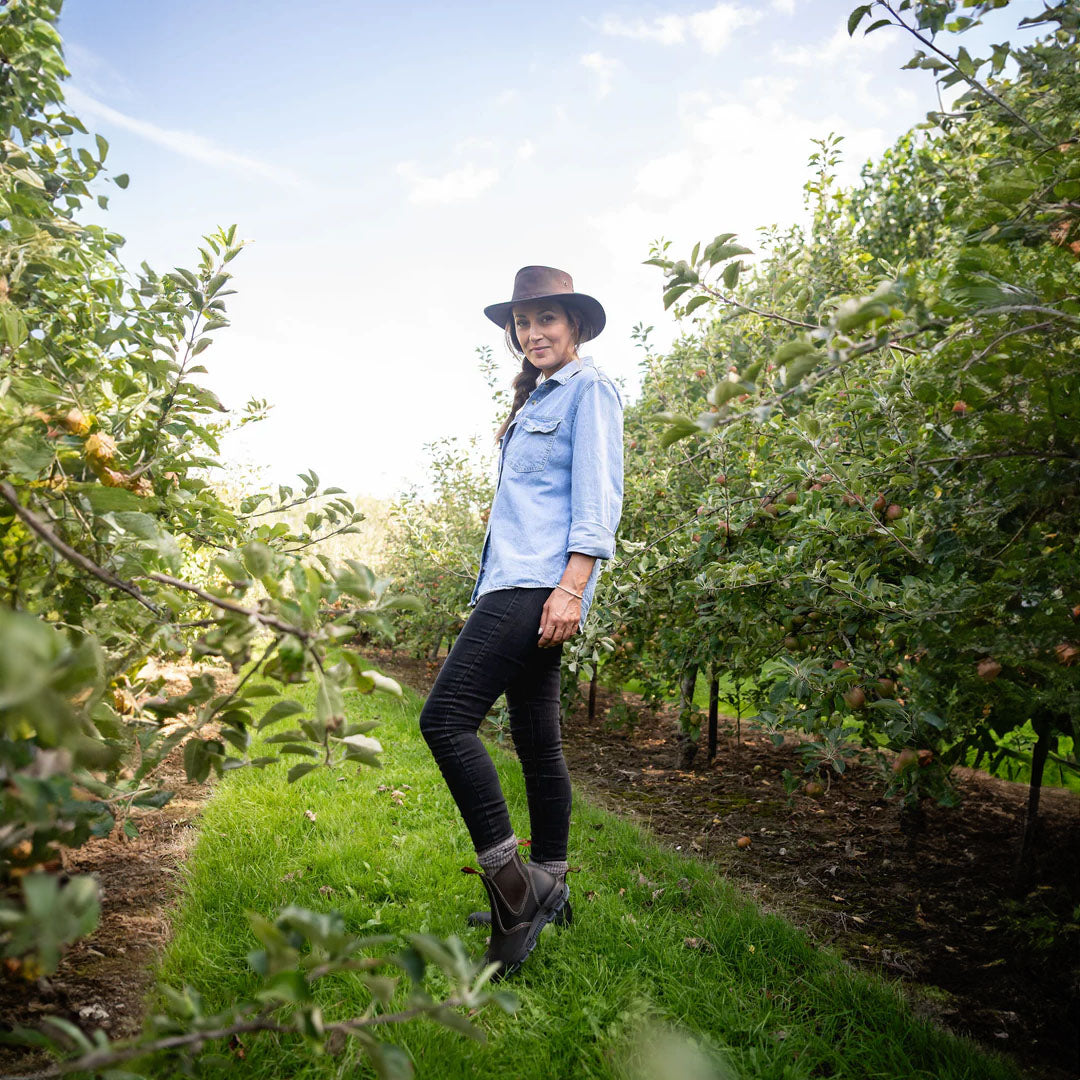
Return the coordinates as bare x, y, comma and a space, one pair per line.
545, 334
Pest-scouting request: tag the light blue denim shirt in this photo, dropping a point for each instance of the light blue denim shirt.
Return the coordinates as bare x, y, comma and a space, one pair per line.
560, 484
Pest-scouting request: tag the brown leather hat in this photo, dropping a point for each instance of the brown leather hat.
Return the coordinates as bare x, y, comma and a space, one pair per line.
547, 283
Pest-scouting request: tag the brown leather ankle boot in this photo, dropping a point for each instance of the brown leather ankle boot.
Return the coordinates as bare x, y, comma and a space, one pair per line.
563, 917
524, 899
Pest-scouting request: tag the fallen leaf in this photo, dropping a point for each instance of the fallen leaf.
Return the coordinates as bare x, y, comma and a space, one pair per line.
698, 943
309, 814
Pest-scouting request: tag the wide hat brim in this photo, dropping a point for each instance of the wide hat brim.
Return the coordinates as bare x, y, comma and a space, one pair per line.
539, 283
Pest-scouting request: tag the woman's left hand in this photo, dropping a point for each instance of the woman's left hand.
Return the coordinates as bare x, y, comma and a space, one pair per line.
560, 619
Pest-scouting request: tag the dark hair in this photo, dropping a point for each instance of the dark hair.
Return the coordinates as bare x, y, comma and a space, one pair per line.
525, 381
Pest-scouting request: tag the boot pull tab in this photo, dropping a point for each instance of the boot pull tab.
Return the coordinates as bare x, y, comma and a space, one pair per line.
471, 870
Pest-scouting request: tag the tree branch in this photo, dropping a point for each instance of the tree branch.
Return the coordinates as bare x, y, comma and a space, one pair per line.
41, 529
98, 1060
36, 525
969, 79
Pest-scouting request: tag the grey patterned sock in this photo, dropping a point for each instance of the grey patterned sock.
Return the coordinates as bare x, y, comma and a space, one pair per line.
557, 868
498, 855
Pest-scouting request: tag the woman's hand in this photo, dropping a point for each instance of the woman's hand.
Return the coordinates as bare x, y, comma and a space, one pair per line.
560, 619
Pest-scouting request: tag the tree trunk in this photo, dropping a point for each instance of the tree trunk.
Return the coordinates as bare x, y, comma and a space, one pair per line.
714, 711
592, 693
687, 745
1041, 724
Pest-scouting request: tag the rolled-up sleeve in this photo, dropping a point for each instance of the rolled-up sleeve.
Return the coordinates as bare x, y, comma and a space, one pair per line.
596, 480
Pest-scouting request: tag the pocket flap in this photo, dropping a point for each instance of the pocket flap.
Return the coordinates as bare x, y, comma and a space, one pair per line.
543, 424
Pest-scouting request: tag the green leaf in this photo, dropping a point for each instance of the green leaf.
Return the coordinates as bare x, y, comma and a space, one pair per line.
857, 17
696, 302
798, 368
674, 293
680, 428
121, 180
12, 324
726, 251
301, 768
724, 391
278, 712
791, 349
106, 500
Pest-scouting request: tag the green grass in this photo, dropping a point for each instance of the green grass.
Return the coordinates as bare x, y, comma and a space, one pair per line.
760, 999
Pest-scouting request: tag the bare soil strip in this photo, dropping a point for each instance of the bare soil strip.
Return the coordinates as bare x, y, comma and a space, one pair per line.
103, 979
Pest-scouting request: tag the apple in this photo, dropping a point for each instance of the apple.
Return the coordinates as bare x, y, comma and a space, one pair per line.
988, 669
855, 697
904, 760
76, 422
791, 498
894, 511
878, 504
1067, 653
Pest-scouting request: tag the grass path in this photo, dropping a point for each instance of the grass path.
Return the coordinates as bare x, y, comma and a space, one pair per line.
758, 998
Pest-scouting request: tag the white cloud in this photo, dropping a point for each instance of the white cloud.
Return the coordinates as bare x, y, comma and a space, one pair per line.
785, 7
854, 64
666, 29
736, 163
711, 29
473, 142
96, 73
603, 68
457, 185
185, 143
838, 46
525, 150
507, 97
666, 176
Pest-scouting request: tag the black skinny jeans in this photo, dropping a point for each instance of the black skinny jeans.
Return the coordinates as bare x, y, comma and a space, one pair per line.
496, 651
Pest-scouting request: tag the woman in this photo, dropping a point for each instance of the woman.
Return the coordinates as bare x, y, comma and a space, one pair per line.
556, 508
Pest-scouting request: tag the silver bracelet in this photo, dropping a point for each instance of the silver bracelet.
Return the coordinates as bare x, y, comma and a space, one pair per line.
580, 596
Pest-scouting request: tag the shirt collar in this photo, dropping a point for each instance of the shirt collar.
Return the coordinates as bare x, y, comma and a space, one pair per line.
568, 371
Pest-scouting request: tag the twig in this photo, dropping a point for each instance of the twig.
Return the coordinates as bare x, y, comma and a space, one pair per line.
231, 605
731, 302
98, 1060
1001, 337
969, 79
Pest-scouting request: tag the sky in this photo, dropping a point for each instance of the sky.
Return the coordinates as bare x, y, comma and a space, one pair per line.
393, 165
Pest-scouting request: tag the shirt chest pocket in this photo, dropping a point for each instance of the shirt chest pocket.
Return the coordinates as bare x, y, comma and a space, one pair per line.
530, 446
